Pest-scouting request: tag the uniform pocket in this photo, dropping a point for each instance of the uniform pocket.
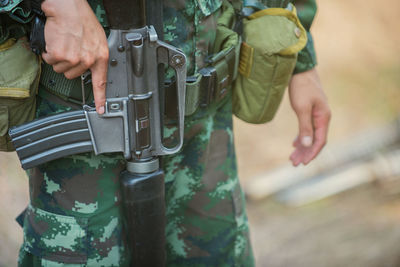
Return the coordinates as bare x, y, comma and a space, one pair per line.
55, 237
272, 39
19, 79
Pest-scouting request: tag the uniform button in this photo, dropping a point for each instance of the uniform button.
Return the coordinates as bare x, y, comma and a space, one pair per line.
297, 32
4, 3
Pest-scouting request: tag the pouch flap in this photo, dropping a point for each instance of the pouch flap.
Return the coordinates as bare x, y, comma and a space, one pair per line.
16, 78
275, 31
226, 38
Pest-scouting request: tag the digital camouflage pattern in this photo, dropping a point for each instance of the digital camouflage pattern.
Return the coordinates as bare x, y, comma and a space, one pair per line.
189, 26
74, 215
74, 218
206, 218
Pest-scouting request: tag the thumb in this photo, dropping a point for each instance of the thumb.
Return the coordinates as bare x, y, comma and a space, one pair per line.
306, 131
99, 81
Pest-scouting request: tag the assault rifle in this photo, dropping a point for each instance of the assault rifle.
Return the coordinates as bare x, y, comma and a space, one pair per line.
132, 124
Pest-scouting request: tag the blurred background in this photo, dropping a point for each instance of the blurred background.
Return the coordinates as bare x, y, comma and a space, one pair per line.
344, 208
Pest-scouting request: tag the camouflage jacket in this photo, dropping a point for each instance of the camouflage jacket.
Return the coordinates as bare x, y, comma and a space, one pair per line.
188, 40
189, 43
74, 216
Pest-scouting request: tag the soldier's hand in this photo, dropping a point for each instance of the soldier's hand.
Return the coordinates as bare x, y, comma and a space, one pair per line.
309, 102
76, 42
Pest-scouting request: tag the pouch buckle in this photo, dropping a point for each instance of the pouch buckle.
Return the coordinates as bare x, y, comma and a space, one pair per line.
207, 86
85, 79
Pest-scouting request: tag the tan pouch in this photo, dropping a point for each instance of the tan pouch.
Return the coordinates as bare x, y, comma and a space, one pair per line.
19, 79
271, 40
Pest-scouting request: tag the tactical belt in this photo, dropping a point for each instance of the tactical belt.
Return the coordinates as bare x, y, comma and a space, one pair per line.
210, 85
69, 91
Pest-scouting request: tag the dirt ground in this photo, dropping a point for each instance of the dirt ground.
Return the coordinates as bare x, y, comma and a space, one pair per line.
359, 228
358, 48
14, 197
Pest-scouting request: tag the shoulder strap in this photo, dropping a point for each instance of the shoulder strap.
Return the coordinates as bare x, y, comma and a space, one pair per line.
237, 5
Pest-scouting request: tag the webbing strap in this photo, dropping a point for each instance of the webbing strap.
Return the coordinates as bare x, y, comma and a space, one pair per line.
51, 97
200, 92
212, 85
68, 90
192, 98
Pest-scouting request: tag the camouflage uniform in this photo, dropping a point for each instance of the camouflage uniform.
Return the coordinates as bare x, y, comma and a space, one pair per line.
74, 215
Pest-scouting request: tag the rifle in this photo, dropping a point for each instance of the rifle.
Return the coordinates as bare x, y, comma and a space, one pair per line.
132, 124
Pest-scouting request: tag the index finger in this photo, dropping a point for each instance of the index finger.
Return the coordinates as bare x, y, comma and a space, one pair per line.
99, 82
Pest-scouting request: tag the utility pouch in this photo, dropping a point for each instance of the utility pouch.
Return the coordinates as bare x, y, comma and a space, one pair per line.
213, 81
19, 78
272, 38
225, 59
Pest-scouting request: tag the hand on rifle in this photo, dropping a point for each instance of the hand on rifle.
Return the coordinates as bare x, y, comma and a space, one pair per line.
310, 105
76, 42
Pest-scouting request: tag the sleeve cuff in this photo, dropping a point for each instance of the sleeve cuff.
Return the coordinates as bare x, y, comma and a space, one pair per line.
306, 59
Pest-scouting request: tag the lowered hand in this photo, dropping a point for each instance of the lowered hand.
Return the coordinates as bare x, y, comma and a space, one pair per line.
311, 107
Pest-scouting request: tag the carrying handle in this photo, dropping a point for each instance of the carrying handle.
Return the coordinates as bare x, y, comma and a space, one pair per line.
175, 59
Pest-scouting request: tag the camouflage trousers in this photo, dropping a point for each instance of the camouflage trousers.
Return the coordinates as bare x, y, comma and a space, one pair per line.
74, 217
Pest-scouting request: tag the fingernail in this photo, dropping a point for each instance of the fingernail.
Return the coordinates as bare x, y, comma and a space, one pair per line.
306, 141
101, 110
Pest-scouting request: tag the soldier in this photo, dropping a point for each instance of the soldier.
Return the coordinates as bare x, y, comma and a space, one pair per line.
74, 215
